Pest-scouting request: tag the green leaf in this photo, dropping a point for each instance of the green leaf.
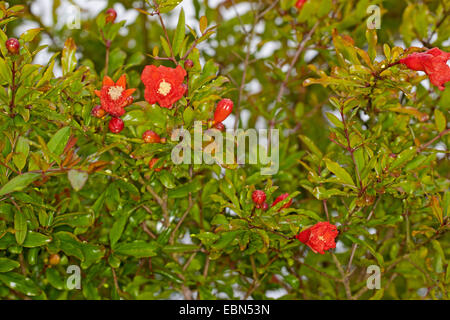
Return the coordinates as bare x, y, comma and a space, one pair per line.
19, 283
167, 179
7, 265
59, 141
68, 59
179, 33
203, 24
150, 116
54, 278
165, 46
309, 213
334, 120
117, 229
180, 247
225, 239
18, 183
188, 116
116, 59
30, 34
22, 151
20, 226
138, 249
403, 157
311, 146
439, 119
69, 244
35, 239
340, 172
167, 5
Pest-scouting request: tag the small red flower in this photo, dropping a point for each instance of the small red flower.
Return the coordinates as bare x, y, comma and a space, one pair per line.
258, 197
115, 125
115, 97
320, 237
150, 136
433, 62
299, 4
163, 85
13, 45
223, 110
281, 198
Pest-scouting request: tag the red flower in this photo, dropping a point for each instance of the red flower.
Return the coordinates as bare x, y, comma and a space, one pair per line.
320, 237
223, 110
258, 197
163, 85
299, 4
433, 62
115, 97
281, 198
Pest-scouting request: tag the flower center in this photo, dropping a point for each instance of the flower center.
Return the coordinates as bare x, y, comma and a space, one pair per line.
115, 92
164, 88
321, 238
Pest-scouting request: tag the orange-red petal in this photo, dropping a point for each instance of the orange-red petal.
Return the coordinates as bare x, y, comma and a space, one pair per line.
107, 81
97, 93
122, 82
128, 92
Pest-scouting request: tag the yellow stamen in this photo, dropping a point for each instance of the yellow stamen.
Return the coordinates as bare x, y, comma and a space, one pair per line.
115, 92
164, 88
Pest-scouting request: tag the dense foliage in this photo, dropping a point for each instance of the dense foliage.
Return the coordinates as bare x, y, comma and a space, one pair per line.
86, 176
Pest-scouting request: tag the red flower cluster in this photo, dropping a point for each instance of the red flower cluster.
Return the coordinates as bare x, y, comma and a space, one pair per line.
299, 4
115, 97
320, 237
433, 62
163, 85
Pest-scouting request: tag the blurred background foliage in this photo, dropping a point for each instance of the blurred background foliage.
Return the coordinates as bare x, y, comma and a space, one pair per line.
363, 143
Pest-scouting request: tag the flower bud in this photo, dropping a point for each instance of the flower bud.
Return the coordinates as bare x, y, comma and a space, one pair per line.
98, 112
223, 110
188, 64
150, 136
116, 125
111, 15
258, 197
13, 45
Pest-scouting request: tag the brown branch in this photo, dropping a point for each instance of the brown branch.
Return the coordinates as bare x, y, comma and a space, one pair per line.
426, 145
299, 50
172, 235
